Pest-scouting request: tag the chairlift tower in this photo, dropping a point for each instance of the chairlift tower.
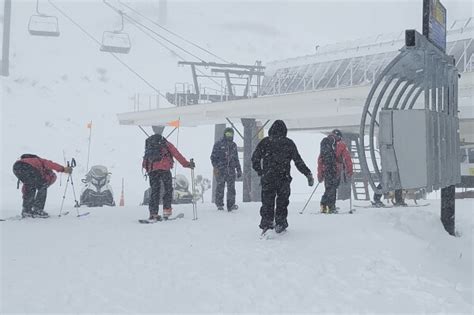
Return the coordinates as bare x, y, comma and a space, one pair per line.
5, 66
241, 81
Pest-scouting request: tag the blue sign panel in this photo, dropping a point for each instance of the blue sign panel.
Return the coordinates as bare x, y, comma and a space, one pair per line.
434, 23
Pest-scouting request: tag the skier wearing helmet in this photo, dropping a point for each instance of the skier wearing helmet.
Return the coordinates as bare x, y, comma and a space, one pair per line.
334, 161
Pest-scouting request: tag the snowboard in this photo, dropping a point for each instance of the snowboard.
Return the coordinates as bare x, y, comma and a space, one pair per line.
146, 221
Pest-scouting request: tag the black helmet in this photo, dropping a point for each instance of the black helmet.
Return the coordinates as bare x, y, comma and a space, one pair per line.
337, 133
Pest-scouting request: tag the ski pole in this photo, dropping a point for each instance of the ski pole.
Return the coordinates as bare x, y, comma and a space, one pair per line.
76, 205
309, 199
350, 201
64, 196
193, 188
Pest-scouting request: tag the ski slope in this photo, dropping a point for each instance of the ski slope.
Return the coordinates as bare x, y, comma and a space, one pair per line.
373, 261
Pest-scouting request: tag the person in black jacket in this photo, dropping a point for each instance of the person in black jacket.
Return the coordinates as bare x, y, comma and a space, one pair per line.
271, 160
225, 160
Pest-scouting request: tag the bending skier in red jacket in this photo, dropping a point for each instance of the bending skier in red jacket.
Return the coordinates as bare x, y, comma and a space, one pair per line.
37, 175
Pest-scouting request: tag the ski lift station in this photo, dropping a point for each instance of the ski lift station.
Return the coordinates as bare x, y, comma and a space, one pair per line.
398, 98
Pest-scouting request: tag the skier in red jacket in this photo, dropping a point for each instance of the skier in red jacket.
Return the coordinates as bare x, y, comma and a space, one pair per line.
158, 162
37, 175
334, 162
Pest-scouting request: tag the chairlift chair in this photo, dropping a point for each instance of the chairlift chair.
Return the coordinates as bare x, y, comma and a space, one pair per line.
43, 25
116, 41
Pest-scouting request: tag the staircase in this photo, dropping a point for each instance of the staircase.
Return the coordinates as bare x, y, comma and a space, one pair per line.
360, 185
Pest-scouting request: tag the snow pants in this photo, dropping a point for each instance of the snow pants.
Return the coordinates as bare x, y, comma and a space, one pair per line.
222, 178
34, 188
156, 177
329, 197
279, 192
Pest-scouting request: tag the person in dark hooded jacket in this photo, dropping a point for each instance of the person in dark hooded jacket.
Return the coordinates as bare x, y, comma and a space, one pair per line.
271, 160
225, 160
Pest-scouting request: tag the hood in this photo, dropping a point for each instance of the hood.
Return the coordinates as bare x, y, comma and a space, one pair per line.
278, 129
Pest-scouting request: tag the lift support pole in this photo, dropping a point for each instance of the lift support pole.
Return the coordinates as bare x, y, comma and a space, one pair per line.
6, 38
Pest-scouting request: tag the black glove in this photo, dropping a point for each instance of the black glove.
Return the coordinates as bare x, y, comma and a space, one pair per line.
191, 164
239, 173
310, 179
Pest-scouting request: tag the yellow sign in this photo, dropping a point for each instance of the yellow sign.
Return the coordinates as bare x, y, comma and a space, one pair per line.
439, 12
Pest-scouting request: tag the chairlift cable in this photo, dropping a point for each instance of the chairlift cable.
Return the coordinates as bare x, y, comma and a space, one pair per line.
111, 53
140, 28
151, 30
171, 32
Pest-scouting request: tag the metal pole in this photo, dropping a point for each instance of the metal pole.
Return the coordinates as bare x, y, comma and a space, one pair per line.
448, 208
6, 38
89, 147
309, 199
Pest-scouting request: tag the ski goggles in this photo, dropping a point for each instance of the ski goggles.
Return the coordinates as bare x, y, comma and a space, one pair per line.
229, 134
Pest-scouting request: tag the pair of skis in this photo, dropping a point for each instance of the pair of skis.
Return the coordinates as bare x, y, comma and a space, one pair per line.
147, 221
372, 206
20, 217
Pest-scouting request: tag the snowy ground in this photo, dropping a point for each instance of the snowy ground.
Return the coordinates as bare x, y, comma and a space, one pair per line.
377, 261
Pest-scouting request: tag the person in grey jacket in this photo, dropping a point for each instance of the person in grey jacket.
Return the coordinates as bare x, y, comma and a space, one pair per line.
225, 160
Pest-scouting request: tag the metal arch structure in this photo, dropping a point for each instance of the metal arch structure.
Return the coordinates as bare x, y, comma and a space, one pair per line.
419, 68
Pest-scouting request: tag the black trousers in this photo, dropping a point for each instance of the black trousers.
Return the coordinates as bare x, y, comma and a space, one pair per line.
222, 179
329, 197
156, 178
34, 189
275, 192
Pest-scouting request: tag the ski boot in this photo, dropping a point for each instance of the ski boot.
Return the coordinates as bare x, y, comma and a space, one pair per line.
154, 217
167, 213
332, 210
234, 207
26, 213
220, 208
281, 227
324, 209
40, 214
378, 204
400, 203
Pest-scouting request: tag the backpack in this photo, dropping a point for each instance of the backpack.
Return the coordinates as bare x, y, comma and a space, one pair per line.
28, 156
155, 150
328, 155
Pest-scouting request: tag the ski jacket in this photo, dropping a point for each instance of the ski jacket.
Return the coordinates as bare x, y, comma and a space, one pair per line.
343, 162
272, 156
45, 168
225, 157
166, 163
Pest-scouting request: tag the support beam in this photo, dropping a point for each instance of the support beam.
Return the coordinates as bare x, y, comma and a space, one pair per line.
6, 39
448, 209
195, 80
251, 185
218, 132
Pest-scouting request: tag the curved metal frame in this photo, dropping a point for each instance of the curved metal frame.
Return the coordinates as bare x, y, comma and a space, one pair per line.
416, 69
